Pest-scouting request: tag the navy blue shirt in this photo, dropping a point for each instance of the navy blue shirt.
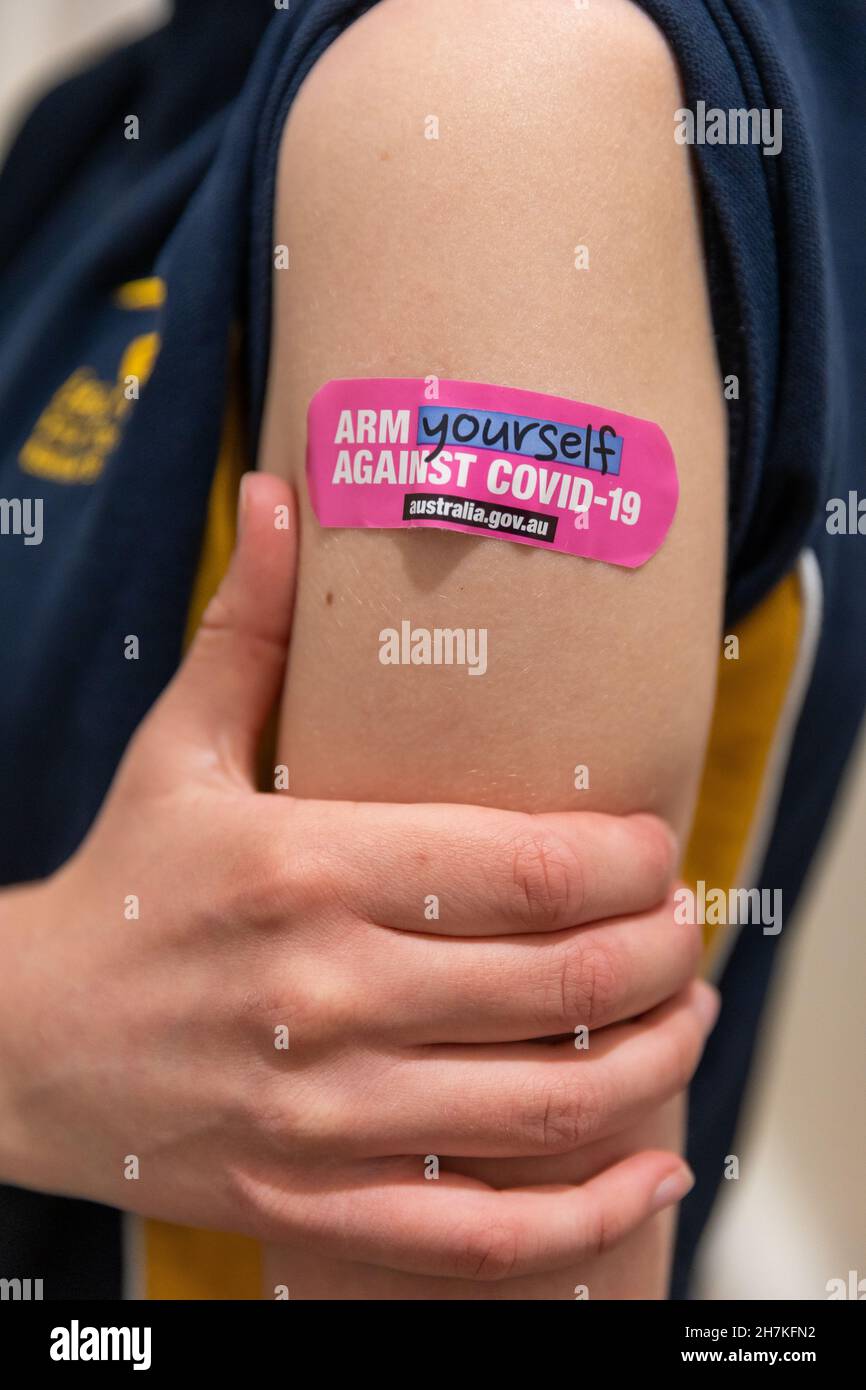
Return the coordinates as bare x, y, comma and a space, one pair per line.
124, 484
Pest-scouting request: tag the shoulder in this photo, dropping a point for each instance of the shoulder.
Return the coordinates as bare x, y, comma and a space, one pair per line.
477, 167
492, 190
594, 70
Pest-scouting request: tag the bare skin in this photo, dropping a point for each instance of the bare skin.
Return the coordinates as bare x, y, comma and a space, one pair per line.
256, 909
455, 257
151, 1036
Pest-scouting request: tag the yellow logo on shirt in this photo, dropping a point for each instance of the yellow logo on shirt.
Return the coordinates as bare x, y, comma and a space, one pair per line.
82, 423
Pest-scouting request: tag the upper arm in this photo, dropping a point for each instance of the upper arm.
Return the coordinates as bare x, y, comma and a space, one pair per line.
455, 257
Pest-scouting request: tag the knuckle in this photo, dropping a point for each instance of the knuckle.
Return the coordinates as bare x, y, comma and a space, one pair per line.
593, 985
556, 1118
287, 1118
316, 998
328, 1005
271, 882
486, 1253
548, 879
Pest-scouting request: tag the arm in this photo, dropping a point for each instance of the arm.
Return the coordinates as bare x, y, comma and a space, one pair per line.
175, 1093
455, 257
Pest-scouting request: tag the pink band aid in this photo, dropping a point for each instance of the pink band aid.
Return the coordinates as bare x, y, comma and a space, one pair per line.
490, 461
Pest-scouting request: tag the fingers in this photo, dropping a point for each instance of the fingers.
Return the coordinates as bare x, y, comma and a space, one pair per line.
476, 871
530, 1099
459, 1228
465, 990
219, 700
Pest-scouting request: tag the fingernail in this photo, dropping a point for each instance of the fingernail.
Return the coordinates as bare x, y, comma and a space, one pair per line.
673, 1188
242, 503
708, 1002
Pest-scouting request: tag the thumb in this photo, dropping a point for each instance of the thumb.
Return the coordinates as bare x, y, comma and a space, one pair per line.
220, 699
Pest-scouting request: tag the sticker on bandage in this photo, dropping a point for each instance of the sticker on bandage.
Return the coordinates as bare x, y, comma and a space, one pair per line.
490, 461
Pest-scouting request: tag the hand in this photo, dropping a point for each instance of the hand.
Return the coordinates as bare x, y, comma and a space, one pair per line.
157, 1037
